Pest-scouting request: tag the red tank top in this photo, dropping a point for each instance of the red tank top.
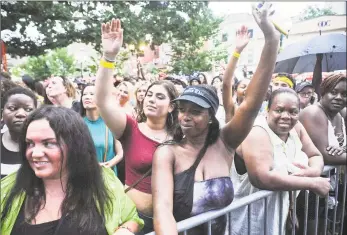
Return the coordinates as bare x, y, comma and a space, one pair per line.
138, 154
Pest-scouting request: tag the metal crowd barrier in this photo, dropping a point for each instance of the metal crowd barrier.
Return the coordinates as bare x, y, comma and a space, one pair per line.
330, 226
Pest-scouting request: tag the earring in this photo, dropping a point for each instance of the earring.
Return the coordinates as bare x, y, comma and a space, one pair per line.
171, 117
210, 122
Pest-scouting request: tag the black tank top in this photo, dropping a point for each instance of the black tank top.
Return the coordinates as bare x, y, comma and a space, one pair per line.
62, 226
184, 189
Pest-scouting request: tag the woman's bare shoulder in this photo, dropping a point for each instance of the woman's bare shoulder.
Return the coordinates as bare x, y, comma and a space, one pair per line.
311, 110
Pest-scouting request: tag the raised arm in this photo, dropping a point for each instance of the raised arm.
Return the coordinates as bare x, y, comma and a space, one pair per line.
228, 78
113, 115
162, 190
258, 156
235, 131
317, 128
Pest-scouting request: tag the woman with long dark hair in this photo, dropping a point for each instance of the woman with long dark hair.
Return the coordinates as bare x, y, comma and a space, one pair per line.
60, 187
191, 174
156, 123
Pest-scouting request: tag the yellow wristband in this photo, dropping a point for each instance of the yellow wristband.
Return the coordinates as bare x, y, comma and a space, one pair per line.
236, 55
105, 64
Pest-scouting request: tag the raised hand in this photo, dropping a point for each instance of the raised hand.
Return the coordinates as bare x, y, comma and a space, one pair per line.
262, 17
112, 38
242, 38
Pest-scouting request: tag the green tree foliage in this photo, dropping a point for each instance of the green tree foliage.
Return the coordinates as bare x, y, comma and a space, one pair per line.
188, 53
58, 62
313, 12
61, 23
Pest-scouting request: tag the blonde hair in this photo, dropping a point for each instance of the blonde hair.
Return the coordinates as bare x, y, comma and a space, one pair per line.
139, 85
70, 89
130, 89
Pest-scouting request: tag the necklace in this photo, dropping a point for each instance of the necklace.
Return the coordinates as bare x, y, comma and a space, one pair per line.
158, 139
156, 136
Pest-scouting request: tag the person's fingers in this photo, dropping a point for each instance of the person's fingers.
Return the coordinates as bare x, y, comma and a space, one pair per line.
340, 152
113, 25
328, 148
301, 166
121, 35
243, 28
119, 26
102, 28
335, 151
255, 11
272, 12
107, 27
265, 10
331, 151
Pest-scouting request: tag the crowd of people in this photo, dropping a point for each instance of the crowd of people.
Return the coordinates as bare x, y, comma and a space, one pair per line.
136, 156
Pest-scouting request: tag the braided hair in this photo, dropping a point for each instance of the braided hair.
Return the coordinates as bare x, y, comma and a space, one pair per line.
331, 81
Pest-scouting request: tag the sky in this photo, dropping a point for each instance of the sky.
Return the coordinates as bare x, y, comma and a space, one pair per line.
283, 9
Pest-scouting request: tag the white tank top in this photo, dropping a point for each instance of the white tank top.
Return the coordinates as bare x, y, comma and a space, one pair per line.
284, 154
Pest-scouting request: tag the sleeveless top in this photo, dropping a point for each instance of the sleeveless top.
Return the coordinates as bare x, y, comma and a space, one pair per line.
55, 227
10, 161
98, 130
138, 155
284, 153
334, 140
193, 198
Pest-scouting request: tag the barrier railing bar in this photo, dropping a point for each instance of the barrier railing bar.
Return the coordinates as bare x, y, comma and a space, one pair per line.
281, 212
316, 215
230, 227
265, 216
249, 214
343, 200
336, 198
294, 210
203, 218
306, 211
185, 225
209, 227
326, 211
